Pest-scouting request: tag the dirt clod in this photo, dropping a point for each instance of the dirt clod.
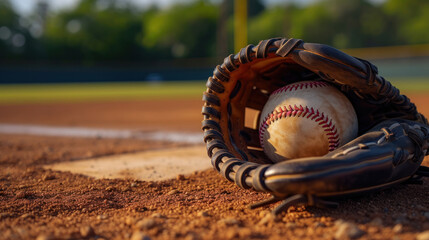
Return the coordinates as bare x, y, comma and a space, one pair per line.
138, 235
48, 177
101, 217
229, 221
397, 228
172, 192
268, 218
20, 195
180, 177
129, 220
146, 223
87, 231
423, 236
348, 230
203, 214
158, 215
44, 237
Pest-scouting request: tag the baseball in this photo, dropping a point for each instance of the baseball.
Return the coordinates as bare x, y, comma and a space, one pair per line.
306, 119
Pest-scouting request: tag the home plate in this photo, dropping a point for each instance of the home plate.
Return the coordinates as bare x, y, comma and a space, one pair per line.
148, 166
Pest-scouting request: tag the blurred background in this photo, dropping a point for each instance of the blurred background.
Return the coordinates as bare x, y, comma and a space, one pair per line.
153, 41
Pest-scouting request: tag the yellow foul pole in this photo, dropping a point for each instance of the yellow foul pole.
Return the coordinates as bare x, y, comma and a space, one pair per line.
240, 24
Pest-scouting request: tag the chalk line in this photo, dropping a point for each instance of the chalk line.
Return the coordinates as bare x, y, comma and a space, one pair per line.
84, 132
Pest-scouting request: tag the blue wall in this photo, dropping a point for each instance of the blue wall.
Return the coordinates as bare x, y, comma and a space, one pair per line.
53, 74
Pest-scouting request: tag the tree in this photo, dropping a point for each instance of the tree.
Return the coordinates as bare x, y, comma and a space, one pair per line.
358, 23
343, 24
12, 34
92, 31
313, 23
183, 30
254, 8
410, 20
273, 22
8, 16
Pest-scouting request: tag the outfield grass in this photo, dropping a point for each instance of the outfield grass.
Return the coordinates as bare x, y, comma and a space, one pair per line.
412, 85
70, 92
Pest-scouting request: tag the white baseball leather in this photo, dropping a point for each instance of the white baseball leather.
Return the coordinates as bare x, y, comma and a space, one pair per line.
305, 119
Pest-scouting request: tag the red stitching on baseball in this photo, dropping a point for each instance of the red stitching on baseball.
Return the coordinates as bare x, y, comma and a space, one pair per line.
300, 85
300, 111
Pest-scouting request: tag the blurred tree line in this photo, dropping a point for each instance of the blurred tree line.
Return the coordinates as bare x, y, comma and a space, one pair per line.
109, 30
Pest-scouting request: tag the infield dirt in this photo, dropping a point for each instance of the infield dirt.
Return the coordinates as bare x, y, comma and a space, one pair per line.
36, 203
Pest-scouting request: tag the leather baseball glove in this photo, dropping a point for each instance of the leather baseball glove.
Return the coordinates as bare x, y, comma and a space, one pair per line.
392, 137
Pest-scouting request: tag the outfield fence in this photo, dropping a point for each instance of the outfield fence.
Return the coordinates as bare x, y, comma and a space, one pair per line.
398, 62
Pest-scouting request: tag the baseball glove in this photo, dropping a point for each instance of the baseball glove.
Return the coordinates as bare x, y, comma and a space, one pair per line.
392, 137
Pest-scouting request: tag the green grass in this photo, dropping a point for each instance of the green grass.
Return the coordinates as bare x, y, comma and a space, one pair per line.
411, 85
69, 92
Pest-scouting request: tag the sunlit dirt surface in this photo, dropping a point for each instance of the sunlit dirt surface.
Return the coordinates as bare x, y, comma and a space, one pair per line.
43, 204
